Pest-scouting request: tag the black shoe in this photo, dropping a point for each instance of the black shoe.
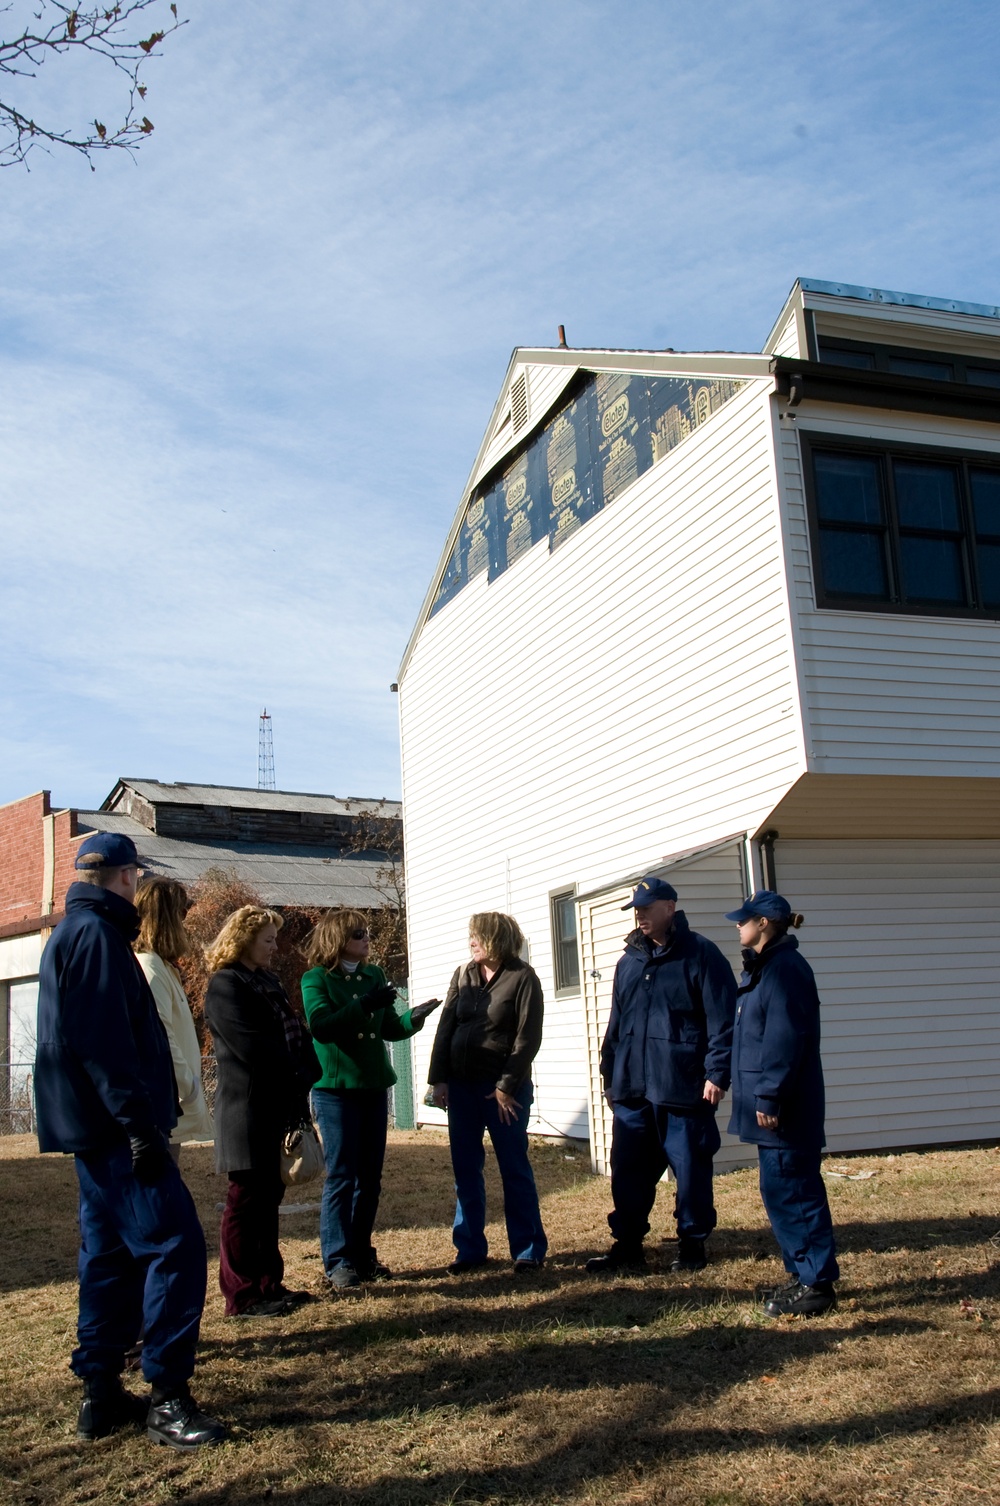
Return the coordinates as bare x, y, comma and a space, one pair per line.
527, 1267
462, 1267
342, 1276
373, 1270
619, 1258
267, 1307
176, 1421
293, 1298
767, 1293
806, 1301
691, 1256
107, 1407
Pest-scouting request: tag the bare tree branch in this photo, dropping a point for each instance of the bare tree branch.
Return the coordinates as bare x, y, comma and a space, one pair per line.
115, 34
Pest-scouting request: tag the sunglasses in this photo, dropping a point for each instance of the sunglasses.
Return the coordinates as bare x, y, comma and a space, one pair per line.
359, 936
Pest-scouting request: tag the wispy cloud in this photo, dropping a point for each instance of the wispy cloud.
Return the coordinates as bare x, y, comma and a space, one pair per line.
243, 380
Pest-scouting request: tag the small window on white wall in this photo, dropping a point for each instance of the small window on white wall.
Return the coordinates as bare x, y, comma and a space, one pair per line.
565, 951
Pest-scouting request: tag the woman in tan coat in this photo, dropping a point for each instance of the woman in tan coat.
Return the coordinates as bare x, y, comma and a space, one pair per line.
162, 905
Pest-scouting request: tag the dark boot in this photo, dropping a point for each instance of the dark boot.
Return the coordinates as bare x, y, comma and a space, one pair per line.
805, 1301
107, 1407
370, 1268
174, 1419
691, 1255
619, 1258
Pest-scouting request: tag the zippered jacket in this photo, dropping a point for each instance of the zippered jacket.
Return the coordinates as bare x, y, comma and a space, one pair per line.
776, 1058
349, 1042
671, 1022
103, 1071
489, 1032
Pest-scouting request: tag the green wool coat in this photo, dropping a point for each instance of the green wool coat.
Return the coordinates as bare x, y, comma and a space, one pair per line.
350, 1044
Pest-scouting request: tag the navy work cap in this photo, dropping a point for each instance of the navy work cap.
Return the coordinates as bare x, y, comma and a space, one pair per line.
111, 848
765, 903
651, 889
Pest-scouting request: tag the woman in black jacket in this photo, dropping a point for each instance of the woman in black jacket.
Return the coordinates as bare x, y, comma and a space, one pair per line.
480, 1071
266, 1066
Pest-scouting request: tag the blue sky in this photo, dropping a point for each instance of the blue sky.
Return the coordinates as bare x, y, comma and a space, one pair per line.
242, 379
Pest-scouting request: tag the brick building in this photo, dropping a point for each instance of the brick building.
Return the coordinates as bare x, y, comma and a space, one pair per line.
294, 849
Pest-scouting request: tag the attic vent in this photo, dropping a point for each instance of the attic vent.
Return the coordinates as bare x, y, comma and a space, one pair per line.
519, 402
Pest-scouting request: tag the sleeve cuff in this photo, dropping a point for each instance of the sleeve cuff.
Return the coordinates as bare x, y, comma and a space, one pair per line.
770, 1106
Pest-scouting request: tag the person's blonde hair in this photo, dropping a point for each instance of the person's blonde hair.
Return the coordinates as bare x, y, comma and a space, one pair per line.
330, 936
162, 904
239, 931
500, 936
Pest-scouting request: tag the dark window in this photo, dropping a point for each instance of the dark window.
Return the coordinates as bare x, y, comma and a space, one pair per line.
863, 360
904, 529
983, 376
986, 509
852, 528
565, 952
936, 371
900, 361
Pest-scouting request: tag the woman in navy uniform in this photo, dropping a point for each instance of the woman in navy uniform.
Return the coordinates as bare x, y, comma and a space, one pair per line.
778, 1102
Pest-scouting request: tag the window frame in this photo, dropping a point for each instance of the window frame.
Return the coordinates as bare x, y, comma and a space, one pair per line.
562, 989
959, 361
959, 458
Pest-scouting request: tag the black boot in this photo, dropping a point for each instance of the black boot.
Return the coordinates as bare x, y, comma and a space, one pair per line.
620, 1257
174, 1419
691, 1255
805, 1301
107, 1407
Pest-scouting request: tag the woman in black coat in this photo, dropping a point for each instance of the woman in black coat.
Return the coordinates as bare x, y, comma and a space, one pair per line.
266, 1066
778, 1102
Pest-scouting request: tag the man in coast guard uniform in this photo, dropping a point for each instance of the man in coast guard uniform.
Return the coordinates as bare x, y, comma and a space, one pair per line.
665, 1067
105, 1092
778, 1099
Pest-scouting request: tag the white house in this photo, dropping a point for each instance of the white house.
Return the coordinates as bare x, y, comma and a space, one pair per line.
732, 618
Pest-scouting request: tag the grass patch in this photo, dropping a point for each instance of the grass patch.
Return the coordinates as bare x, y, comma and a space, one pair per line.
556, 1388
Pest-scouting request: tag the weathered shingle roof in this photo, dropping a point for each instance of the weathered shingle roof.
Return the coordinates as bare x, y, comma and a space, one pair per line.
239, 797
286, 875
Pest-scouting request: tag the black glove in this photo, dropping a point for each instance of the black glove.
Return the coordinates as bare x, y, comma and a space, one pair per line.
151, 1158
379, 998
419, 1012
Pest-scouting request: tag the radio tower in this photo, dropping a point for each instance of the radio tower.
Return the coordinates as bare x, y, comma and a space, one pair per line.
265, 754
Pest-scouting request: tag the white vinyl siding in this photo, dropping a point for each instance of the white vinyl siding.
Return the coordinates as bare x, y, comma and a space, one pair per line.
708, 885
904, 942
592, 707
889, 693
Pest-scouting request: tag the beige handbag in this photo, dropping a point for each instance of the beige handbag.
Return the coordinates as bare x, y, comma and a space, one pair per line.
301, 1156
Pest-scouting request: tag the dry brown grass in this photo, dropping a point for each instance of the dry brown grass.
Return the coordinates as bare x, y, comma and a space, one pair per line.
562, 1388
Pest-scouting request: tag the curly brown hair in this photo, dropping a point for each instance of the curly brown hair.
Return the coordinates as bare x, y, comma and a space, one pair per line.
238, 932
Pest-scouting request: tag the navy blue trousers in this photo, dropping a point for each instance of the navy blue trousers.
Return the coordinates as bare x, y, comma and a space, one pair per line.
646, 1138
352, 1123
142, 1261
471, 1113
795, 1201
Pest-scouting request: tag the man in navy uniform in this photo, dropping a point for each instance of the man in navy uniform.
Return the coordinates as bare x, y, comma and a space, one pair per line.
105, 1091
665, 1067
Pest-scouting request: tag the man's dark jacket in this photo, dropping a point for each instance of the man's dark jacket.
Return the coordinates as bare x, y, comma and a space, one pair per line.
671, 1024
776, 1060
103, 1071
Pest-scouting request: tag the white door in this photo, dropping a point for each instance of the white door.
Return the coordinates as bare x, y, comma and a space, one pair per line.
21, 1027
708, 884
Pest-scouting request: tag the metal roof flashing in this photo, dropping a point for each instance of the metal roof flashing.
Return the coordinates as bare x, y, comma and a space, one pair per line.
903, 300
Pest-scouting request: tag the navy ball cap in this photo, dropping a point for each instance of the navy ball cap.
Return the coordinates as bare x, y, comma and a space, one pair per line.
765, 904
107, 849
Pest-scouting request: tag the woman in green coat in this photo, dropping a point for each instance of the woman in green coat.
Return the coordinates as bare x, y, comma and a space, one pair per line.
349, 1009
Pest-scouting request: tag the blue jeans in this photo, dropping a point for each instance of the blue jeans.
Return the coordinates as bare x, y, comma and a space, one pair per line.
352, 1123
142, 1257
646, 1138
795, 1201
471, 1112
